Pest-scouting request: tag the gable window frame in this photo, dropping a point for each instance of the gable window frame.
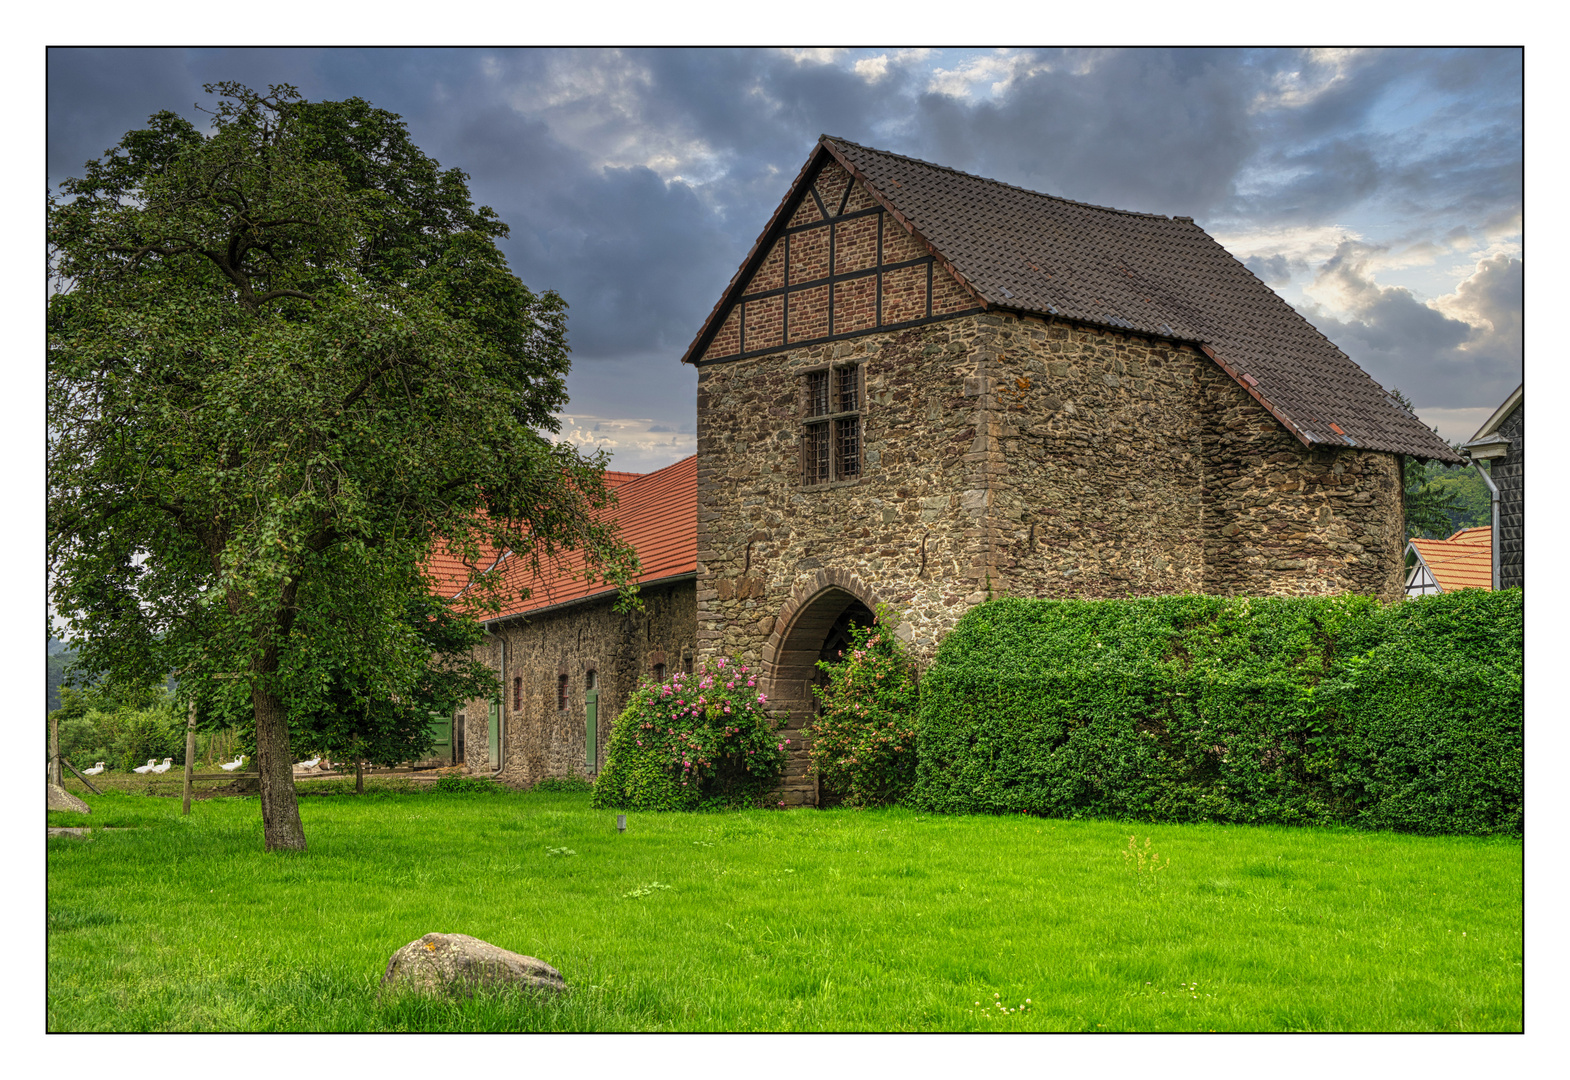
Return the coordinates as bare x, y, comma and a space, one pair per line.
832, 410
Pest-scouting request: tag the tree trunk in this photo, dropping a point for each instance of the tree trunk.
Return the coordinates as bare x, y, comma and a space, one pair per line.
190, 754
281, 828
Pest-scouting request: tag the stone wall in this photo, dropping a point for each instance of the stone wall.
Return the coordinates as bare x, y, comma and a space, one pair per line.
1509, 474
1283, 520
1013, 456
541, 739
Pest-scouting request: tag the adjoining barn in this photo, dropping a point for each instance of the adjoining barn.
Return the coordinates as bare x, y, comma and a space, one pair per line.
924, 388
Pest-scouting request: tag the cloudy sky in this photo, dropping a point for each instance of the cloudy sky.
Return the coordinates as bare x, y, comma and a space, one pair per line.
1378, 191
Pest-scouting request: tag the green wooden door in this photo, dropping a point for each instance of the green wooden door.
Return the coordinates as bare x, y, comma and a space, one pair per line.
591, 717
441, 736
494, 742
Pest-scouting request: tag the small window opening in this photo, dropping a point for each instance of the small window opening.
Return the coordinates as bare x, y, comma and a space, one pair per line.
659, 673
686, 661
831, 426
561, 691
517, 692
588, 679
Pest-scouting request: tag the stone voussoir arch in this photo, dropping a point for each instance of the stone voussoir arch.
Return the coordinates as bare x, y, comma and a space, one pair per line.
803, 596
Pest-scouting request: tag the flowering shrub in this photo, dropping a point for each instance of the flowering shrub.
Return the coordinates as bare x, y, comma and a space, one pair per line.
864, 741
693, 741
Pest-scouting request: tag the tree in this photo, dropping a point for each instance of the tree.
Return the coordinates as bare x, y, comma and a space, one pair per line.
348, 715
1429, 506
285, 360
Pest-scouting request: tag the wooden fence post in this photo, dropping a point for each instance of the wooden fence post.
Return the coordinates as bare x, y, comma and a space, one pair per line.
54, 750
190, 754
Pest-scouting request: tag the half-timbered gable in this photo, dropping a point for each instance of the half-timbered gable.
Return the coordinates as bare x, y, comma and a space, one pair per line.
833, 263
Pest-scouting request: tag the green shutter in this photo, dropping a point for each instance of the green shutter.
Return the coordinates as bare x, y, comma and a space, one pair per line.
495, 741
591, 716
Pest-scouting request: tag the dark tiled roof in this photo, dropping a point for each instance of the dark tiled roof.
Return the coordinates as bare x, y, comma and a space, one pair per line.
1159, 276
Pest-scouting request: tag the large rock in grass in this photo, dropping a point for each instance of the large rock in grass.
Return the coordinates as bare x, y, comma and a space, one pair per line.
61, 799
457, 963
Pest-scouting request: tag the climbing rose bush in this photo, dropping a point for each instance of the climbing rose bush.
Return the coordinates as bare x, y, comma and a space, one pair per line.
692, 742
864, 739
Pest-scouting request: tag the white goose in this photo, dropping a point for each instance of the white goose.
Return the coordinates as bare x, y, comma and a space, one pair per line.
231, 766
94, 771
164, 767
151, 763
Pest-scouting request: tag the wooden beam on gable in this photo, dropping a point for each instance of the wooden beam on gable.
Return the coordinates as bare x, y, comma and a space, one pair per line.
909, 226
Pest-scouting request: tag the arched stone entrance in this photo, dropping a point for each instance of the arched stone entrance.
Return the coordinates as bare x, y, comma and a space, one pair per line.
813, 625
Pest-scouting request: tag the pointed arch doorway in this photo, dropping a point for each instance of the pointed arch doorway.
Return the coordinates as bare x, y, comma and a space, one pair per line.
813, 627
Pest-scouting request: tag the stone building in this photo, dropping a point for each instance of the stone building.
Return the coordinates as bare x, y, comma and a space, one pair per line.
1501, 441
924, 388
567, 661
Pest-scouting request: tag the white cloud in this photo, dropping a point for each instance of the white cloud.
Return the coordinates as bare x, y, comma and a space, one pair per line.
635, 444
872, 68
1321, 69
1489, 298
875, 68
1302, 245
815, 56
989, 74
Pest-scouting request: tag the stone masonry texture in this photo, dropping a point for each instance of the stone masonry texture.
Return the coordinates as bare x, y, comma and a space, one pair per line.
540, 739
1007, 455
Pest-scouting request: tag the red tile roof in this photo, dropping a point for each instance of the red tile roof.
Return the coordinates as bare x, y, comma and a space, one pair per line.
657, 514
1462, 561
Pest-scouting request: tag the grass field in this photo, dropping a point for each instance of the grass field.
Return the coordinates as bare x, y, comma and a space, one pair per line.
807, 920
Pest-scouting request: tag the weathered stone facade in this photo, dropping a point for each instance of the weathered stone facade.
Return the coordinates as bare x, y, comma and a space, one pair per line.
887, 416
1008, 455
540, 736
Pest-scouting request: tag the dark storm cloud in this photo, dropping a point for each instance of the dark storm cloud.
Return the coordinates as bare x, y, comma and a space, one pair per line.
1361, 135
1164, 132
1468, 353
635, 181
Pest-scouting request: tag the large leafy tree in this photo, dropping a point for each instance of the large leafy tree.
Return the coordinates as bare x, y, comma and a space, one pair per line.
286, 359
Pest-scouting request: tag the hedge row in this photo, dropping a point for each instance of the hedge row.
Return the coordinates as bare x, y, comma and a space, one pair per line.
1326, 711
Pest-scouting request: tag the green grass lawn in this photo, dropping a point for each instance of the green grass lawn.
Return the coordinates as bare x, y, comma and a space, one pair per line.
807, 920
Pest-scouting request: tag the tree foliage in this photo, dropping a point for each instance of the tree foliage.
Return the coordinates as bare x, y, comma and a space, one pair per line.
1439, 498
286, 359
864, 737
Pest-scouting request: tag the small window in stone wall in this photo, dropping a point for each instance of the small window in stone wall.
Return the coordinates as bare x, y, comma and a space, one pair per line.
588, 679
686, 661
517, 692
561, 691
659, 673
831, 425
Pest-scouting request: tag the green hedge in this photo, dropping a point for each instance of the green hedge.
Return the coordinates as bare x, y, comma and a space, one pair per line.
1322, 711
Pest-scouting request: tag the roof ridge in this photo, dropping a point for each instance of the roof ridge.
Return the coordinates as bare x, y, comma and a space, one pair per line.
1006, 184
641, 477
